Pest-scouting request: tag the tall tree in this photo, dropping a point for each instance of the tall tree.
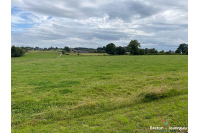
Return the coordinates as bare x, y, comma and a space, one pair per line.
66, 49
110, 49
182, 48
134, 47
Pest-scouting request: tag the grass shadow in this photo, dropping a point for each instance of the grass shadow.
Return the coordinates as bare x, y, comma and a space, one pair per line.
152, 96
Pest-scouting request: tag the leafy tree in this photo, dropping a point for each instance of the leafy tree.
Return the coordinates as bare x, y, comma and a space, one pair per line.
182, 48
95, 51
152, 50
177, 51
120, 50
146, 50
141, 51
16, 51
110, 49
162, 52
21, 51
127, 49
167, 52
36, 48
134, 47
22, 47
66, 49
186, 52
101, 49
50, 48
13, 49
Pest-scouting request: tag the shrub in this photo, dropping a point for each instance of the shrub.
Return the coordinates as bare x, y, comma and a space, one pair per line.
16, 51
63, 51
141, 51
120, 50
126, 53
110, 49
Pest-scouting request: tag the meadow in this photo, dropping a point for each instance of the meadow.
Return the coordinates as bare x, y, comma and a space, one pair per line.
81, 93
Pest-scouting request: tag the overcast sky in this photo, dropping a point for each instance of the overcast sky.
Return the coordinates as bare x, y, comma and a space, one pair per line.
160, 24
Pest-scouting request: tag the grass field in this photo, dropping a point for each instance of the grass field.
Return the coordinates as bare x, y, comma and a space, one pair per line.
91, 54
98, 93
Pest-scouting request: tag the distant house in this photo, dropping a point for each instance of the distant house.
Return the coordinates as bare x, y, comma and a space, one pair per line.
81, 51
28, 49
73, 50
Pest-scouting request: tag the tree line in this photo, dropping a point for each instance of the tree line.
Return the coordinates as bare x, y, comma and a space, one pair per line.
133, 48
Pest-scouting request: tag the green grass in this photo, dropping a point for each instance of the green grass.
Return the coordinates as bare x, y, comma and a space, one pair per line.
98, 93
89, 54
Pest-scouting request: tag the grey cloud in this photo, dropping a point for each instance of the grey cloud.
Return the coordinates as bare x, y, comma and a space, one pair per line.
157, 27
74, 23
121, 9
73, 9
128, 9
59, 8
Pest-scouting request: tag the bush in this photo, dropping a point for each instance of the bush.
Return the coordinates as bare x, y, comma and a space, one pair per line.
110, 49
126, 53
167, 52
63, 51
141, 51
120, 50
162, 52
16, 51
